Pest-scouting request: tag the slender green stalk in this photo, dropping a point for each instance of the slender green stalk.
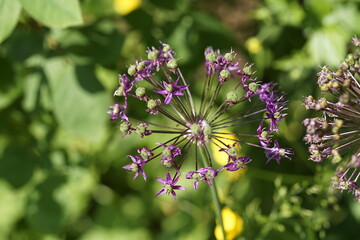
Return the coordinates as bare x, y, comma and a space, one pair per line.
214, 193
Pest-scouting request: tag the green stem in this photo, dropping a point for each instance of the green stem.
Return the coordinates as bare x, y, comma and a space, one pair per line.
214, 194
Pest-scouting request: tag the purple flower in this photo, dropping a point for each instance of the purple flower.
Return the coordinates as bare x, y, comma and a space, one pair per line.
136, 166
237, 163
169, 153
145, 153
117, 111
202, 174
186, 126
277, 153
169, 185
171, 89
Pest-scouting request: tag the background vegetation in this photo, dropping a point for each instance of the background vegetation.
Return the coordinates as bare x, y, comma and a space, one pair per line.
61, 159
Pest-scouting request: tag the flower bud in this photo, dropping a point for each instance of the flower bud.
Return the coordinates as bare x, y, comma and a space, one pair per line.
119, 91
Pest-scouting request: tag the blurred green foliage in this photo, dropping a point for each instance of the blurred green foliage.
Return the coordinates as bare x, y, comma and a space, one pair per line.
61, 159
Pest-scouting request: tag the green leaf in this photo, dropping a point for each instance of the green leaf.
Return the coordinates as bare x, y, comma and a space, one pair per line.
9, 87
44, 213
328, 45
54, 13
17, 165
31, 90
79, 101
12, 206
9, 14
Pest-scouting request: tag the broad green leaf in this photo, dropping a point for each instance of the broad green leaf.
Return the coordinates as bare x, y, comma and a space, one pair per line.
74, 195
54, 13
9, 87
9, 14
11, 206
179, 39
17, 165
31, 91
44, 213
328, 45
79, 102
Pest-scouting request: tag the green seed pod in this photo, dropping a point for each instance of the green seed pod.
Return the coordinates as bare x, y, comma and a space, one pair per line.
344, 98
247, 70
212, 56
132, 70
140, 66
169, 88
144, 154
253, 87
232, 96
140, 91
329, 76
172, 64
167, 152
124, 127
153, 55
140, 130
335, 84
151, 104
134, 167
119, 92
339, 123
229, 56
350, 59
166, 47
324, 88
225, 74
233, 151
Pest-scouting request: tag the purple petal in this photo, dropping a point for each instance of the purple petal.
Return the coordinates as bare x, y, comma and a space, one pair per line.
168, 99
161, 180
162, 191
136, 174
143, 173
168, 178
161, 91
177, 187
127, 167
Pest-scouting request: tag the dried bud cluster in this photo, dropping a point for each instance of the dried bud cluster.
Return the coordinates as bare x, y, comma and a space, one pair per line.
335, 134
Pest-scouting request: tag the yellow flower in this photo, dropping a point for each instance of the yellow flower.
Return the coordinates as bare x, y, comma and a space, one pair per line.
253, 45
222, 157
233, 225
124, 7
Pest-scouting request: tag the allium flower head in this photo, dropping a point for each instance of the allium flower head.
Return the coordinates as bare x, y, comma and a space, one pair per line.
335, 134
233, 107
